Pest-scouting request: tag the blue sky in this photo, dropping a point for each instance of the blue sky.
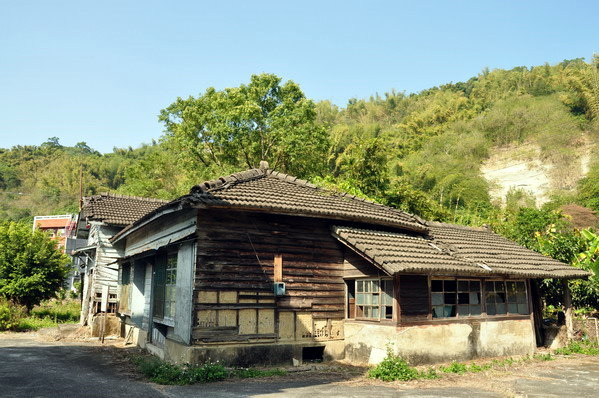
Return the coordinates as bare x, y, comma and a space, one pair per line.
101, 72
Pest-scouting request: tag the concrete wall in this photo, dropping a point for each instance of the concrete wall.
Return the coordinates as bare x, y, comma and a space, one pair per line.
367, 343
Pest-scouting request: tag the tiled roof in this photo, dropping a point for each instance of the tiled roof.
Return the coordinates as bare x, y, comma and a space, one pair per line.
268, 190
118, 210
482, 245
452, 249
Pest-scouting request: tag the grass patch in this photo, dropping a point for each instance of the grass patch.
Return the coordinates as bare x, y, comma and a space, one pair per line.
455, 367
47, 314
579, 347
161, 372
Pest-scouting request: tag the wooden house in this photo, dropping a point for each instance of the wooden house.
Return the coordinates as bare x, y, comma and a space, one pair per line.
100, 218
261, 267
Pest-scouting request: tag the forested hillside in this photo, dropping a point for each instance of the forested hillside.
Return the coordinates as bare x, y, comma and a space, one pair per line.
421, 152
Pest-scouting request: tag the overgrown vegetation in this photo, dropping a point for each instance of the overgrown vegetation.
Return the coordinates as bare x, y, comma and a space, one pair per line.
161, 372
584, 347
395, 368
50, 313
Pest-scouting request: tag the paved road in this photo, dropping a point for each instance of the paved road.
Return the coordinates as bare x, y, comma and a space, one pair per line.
29, 368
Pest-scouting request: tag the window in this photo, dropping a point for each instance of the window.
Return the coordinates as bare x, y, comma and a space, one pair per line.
516, 298
374, 298
461, 298
170, 286
495, 297
125, 288
450, 298
165, 280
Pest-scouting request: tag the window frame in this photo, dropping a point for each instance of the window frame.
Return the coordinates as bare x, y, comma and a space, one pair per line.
385, 288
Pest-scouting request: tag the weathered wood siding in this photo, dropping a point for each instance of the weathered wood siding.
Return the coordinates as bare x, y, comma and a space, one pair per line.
233, 298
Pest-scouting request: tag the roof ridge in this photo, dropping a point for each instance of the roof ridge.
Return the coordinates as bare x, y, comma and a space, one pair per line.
459, 226
305, 183
228, 181
116, 195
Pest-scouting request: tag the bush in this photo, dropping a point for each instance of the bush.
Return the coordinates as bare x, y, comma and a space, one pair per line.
392, 368
10, 315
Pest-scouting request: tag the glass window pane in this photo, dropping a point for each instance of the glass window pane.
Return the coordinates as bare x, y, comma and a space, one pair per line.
436, 286
511, 298
512, 308
523, 309
520, 286
360, 298
474, 286
360, 286
367, 298
450, 286
490, 298
491, 309
499, 287
375, 286
449, 311
463, 298
474, 298
475, 310
463, 286
375, 312
500, 307
463, 310
521, 298
438, 311
510, 286
375, 299
388, 285
489, 287
449, 298
500, 297
388, 297
367, 312
437, 298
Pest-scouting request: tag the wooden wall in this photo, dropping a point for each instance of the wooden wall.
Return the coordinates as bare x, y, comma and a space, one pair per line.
233, 297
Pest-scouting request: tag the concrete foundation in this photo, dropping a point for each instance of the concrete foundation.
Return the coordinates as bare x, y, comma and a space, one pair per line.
367, 343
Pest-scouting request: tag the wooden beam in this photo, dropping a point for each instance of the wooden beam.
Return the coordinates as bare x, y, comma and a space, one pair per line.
278, 274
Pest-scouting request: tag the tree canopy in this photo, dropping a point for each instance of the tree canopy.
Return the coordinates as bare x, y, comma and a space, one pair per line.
32, 268
238, 127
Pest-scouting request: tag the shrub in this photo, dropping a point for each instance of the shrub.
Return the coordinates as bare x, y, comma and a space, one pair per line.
10, 315
247, 373
392, 368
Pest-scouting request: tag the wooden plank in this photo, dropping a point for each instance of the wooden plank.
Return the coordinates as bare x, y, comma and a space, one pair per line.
278, 265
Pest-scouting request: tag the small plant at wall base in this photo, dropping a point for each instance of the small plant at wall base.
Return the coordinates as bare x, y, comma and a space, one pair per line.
161, 372
394, 367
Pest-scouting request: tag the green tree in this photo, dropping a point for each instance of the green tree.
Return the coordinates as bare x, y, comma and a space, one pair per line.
32, 268
239, 127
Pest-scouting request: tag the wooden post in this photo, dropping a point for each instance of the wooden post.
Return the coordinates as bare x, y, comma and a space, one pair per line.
278, 271
568, 309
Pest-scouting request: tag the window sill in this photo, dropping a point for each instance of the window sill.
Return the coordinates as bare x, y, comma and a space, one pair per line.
467, 320
385, 322
165, 321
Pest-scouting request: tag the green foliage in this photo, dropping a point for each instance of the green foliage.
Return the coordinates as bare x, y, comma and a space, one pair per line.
162, 372
392, 368
15, 317
455, 367
238, 127
584, 347
10, 314
32, 268
247, 373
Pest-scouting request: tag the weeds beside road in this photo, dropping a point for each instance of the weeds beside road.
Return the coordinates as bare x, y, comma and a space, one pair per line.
48, 314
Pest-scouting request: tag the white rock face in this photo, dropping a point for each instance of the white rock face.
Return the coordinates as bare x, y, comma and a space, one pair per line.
522, 167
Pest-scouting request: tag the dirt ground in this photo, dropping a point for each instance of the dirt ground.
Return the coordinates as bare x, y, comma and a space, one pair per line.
71, 346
